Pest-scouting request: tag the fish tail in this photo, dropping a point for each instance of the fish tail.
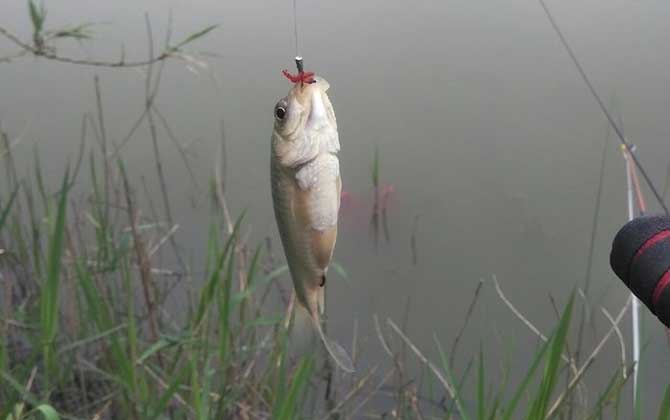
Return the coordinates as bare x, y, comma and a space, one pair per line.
335, 351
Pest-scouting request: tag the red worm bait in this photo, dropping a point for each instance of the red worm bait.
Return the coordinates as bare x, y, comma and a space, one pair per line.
301, 77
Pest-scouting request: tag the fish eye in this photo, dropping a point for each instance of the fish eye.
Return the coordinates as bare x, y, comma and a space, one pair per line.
280, 112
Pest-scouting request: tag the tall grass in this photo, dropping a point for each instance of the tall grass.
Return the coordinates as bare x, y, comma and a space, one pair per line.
103, 349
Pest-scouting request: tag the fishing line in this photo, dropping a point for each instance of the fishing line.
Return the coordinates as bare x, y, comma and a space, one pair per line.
618, 132
298, 58
295, 27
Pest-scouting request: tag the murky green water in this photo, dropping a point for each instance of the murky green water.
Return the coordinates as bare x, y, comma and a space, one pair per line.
485, 131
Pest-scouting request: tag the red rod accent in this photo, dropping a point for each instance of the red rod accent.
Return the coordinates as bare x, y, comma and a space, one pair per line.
662, 284
664, 234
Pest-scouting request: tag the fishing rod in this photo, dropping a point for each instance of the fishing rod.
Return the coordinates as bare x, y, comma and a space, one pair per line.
639, 257
616, 128
630, 186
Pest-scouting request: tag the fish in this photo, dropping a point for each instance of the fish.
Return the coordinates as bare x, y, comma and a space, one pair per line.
306, 190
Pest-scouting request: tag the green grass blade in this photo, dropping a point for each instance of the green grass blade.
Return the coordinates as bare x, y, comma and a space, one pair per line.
97, 308
460, 385
209, 291
47, 412
5, 212
253, 267
542, 400
445, 367
612, 392
225, 339
50, 289
37, 15
26, 395
161, 405
288, 409
88, 340
481, 397
159, 345
39, 178
511, 407
195, 36
664, 412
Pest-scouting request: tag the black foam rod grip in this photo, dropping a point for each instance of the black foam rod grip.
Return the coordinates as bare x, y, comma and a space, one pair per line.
640, 257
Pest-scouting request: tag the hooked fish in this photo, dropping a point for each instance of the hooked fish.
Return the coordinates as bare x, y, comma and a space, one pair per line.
306, 187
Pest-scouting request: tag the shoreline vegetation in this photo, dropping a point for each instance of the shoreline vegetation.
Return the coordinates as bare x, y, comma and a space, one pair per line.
87, 330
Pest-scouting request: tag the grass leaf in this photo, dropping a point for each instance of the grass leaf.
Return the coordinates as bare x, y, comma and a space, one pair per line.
47, 412
49, 293
664, 412
194, 36
511, 407
287, 408
481, 397
5, 212
445, 366
37, 15
541, 402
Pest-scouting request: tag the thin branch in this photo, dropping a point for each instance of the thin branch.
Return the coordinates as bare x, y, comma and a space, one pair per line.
529, 324
15, 39
447, 386
143, 262
42, 52
622, 343
382, 340
220, 186
162, 241
468, 315
371, 394
10, 57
